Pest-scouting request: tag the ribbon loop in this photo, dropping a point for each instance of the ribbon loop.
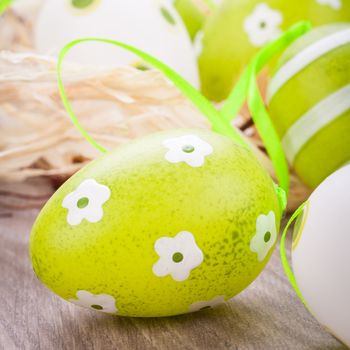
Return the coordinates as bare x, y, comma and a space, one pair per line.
284, 259
209, 111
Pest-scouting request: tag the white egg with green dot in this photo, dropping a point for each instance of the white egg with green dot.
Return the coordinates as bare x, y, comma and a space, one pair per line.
309, 102
320, 254
151, 25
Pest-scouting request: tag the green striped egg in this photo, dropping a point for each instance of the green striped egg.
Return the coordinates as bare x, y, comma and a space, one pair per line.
309, 102
168, 224
236, 31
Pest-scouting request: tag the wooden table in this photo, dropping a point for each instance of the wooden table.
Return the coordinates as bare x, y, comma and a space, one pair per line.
267, 315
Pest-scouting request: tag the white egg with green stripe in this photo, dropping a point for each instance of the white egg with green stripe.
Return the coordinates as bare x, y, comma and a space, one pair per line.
309, 102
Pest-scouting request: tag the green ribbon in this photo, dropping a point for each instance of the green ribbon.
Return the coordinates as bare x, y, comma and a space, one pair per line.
218, 124
284, 259
247, 86
246, 89
4, 4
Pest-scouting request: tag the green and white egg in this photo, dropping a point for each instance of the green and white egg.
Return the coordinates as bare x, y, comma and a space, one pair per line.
153, 26
168, 224
309, 102
321, 259
238, 29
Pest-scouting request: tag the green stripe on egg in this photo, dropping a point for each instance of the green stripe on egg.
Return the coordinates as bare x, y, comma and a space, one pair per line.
310, 102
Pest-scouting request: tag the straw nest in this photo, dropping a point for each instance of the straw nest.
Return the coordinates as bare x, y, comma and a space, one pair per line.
117, 105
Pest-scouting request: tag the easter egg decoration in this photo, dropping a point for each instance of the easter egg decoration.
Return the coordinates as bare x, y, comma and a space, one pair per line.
168, 224
237, 29
152, 25
309, 102
320, 254
147, 230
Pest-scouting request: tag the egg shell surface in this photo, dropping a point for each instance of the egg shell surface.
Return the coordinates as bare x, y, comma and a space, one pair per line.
311, 109
153, 26
320, 255
192, 15
189, 219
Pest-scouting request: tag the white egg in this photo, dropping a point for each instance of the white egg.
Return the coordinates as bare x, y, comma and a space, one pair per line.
153, 26
321, 254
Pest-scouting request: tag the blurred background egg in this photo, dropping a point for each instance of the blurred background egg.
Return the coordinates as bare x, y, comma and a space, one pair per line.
185, 224
321, 259
153, 26
238, 29
309, 102
193, 13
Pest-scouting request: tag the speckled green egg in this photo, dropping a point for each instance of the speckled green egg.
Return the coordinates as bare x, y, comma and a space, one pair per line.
235, 32
309, 102
168, 224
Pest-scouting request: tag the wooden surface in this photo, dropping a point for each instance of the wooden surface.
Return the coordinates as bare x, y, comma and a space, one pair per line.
267, 315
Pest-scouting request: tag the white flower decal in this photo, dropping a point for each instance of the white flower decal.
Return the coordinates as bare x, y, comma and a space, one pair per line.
265, 236
335, 4
86, 202
178, 256
201, 305
189, 149
100, 302
263, 24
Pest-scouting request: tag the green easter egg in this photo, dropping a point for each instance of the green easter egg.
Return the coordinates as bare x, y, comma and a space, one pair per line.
168, 224
238, 29
191, 14
309, 102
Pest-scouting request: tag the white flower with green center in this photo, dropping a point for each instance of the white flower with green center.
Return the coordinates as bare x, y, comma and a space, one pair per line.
266, 235
202, 305
100, 302
334, 4
189, 149
86, 202
178, 256
263, 25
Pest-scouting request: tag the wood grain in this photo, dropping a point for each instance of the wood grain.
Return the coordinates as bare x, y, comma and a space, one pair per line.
267, 315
